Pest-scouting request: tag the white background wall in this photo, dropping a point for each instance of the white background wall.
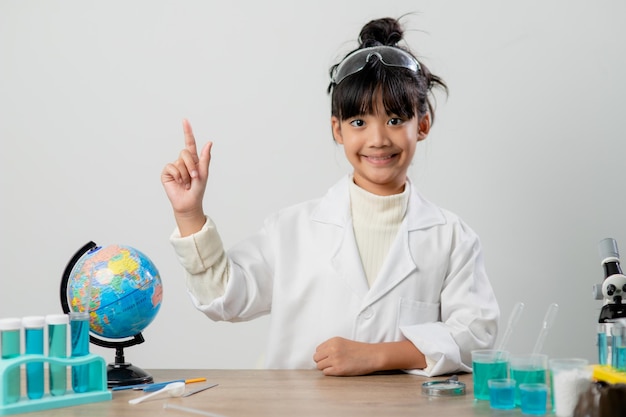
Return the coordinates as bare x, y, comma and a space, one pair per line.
529, 147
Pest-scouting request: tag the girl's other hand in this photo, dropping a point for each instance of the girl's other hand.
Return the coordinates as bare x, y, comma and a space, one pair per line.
343, 357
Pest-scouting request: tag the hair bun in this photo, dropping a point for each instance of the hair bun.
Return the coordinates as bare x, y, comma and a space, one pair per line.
385, 31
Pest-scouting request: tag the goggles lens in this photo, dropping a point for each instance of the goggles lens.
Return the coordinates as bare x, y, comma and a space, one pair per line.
387, 55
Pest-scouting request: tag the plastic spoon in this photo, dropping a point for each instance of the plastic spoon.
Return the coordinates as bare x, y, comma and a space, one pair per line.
548, 320
175, 389
513, 319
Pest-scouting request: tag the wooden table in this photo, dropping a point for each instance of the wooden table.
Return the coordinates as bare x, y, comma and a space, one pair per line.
293, 393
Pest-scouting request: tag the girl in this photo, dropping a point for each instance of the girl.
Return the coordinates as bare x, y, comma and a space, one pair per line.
370, 277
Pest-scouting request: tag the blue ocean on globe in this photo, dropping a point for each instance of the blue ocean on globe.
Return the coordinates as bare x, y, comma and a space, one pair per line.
123, 287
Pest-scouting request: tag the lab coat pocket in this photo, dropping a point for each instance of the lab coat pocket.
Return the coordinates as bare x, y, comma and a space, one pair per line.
412, 312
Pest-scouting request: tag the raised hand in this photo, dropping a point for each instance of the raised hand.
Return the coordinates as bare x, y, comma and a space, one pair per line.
184, 181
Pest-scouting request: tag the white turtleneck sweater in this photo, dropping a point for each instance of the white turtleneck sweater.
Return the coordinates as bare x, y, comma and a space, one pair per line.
376, 220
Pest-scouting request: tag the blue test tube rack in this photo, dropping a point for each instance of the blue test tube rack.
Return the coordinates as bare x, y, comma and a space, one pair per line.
96, 391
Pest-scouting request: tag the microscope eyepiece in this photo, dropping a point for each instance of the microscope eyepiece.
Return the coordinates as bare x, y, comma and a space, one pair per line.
608, 250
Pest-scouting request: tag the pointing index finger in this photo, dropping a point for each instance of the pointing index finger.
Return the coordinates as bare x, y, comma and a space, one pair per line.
190, 140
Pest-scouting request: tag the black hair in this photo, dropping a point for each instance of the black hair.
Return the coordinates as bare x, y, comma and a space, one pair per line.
404, 92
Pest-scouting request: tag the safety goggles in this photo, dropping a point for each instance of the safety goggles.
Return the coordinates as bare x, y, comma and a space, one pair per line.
387, 55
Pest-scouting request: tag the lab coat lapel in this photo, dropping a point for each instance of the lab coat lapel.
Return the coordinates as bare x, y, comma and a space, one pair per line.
347, 263
398, 265
334, 209
400, 262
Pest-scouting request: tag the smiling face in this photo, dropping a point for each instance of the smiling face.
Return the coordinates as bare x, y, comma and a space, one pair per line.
380, 147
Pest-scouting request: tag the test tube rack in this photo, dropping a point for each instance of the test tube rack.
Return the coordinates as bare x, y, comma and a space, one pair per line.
96, 390
609, 374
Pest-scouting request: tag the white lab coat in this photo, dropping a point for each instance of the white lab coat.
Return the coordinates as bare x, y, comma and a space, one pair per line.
304, 267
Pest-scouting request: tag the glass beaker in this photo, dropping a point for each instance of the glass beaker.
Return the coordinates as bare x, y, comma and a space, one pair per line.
502, 393
570, 377
528, 369
488, 364
534, 398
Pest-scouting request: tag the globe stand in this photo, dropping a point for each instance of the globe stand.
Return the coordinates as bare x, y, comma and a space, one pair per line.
124, 373
120, 372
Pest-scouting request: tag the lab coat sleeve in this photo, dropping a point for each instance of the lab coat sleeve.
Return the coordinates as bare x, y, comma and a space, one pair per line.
249, 292
469, 311
234, 285
204, 261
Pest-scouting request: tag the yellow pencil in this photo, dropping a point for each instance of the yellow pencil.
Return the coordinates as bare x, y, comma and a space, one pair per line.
192, 380
158, 385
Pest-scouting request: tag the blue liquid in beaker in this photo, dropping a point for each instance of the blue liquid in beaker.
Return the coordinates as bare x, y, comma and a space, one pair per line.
534, 398
502, 394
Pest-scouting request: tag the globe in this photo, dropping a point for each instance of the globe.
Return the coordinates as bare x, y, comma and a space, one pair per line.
122, 288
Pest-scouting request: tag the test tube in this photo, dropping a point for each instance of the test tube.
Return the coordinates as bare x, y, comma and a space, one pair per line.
33, 335
57, 348
79, 329
619, 346
10, 337
603, 347
616, 341
79, 333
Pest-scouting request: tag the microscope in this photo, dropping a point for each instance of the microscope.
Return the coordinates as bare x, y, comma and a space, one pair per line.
612, 320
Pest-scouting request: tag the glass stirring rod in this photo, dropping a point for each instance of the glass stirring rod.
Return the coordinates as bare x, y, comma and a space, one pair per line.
548, 320
513, 319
